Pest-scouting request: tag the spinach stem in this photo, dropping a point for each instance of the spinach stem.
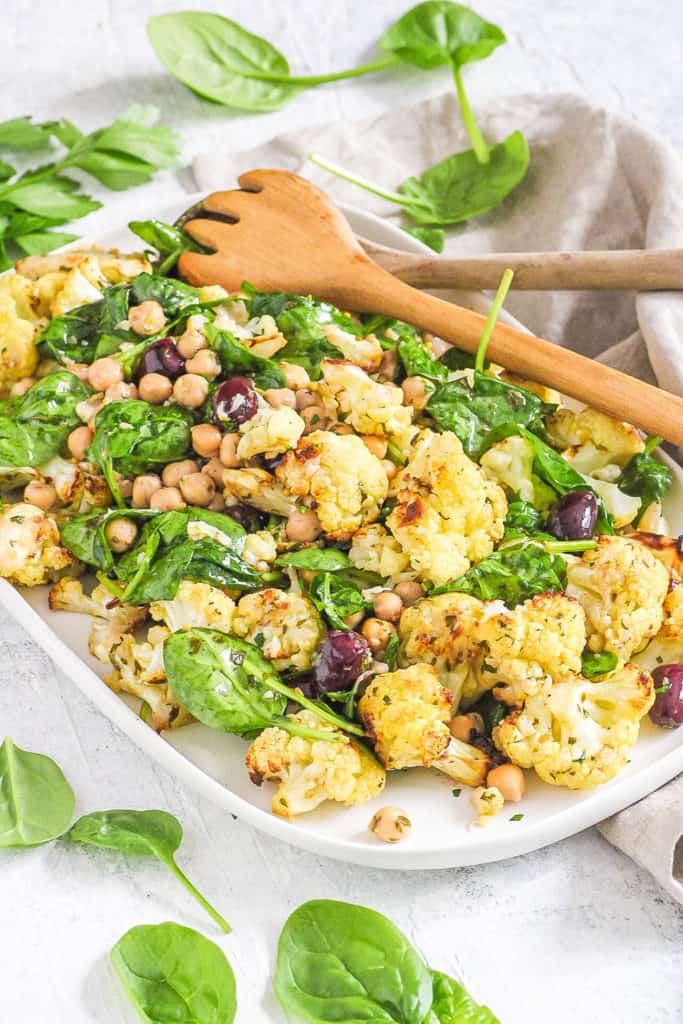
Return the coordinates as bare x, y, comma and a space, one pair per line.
333, 76
327, 716
481, 150
184, 880
496, 306
355, 179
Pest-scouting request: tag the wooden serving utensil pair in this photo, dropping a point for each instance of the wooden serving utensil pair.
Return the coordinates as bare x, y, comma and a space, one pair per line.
281, 233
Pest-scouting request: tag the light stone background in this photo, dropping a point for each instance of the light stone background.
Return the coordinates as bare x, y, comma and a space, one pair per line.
572, 933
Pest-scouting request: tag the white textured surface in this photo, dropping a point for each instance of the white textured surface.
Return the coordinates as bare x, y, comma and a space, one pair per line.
574, 932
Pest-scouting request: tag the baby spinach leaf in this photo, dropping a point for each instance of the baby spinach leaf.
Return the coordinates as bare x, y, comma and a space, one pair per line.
435, 238
598, 664
418, 361
336, 596
340, 962
173, 296
85, 537
491, 710
172, 973
513, 574
77, 335
35, 426
318, 559
440, 32
36, 801
522, 518
390, 656
169, 242
140, 834
453, 1005
236, 359
645, 477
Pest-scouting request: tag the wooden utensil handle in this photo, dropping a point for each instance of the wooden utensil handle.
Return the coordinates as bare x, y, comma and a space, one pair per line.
630, 269
373, 290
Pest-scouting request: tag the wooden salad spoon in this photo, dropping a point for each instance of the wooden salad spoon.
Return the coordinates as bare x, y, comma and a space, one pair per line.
281, 233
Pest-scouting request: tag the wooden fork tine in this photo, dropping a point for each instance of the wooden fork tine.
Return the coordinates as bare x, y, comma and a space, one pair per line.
213, 233
234, 203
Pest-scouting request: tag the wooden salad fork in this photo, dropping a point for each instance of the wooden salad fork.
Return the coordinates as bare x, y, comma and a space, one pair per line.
282, 233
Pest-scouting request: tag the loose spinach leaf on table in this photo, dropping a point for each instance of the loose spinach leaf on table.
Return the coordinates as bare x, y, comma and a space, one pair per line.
85, 536
236, 359
645, 477
172, 973
340, 962
35, 426
317, 559
453, 1005
598, 664
169, 241
36, 801
140, 834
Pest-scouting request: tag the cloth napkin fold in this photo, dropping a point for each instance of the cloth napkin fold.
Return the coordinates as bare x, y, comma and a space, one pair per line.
596, 181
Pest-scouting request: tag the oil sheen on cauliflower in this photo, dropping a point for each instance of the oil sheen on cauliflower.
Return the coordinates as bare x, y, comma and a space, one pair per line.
406, 714
346, 482
284, 625
622, 587
373, 549
195, 604
30, 549
368, 406
578, 732
448, 514
111, 619
312, 771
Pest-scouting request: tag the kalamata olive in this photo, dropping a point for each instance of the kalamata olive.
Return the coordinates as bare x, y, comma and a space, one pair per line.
667, 709
308, 688
234, 402
162, 357
339, 660
574, 517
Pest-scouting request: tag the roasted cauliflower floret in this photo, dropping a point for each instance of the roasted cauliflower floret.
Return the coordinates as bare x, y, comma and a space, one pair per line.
373, 549
363, 352
368, 406
622, 587
284, 625
510, 462
448, 514
114, 266
406, 714
257, 487
591, 441
30, 549
111, 619
195, 604
18, 353
487, 802
346, 482
668, 550
139, 671
78, 486
311, 771
577, 732
666, 648
270, 432
260, 550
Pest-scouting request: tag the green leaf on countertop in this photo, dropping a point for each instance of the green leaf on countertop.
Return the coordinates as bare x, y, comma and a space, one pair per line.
434, 238
453, 1005
36, 801
24, 133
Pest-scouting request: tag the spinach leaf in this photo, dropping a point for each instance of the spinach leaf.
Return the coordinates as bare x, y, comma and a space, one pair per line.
336, 596
36, 801
390, 656
522, 518
435, 238
75, 335
236, 359
340, 962
85, 537
35, 426
140, 834
228, 685
169, 242
418, 361
172, 973
453, 1005
456, 359
491, 710
598, 664
512, 574
318, 559
645, 477
173, 296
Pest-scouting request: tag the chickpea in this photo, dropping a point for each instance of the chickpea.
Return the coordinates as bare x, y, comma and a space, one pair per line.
228, 451
315, 418
40, 494
341, 428
378, 633
303, 525
415, 392
125, 486
409, 591
143, 488
20, 387
206, 363
351, 621
278, 397
376, 445
147, 318
214, 468
78, 441
120, 391
388, 606
190, 390
155, 388
104, 372
388, 367
304, 398
172, 473
390, 824
217, 503
197, 489
191, 342
166, 499
121, 534
509, 779
462, 726
79, 369
390, 468
295, 376
206, 440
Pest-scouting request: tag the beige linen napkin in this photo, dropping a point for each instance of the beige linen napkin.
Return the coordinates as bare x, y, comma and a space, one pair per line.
596, 181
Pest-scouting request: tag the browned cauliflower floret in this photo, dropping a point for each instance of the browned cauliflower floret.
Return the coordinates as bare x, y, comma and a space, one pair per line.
345, 481
30, 549
375, 550
448, 513
111, 619
406, 714
259, 488
368, 406
622, 587
311, 771
284, 625
78, 486
592, 440
195, 604
18, 353
270, 432
139, 671
364, 352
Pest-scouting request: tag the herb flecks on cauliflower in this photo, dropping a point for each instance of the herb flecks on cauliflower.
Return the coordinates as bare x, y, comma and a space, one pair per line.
312, 771
363, 352
373, 549
285, 626
195, 604
30, 549
139, 671
257, 487
447, 514
367, 405
18, 353
487, 801
111, 619
270, 432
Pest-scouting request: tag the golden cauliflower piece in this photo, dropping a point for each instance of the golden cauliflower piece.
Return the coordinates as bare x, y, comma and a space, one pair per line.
448, 513
112, 265
668, 550
30, 549
487, 802
78, 486
259, 488
139, 671
346, 482
577, 732
195, 604
270, 432
510, 462
666, 648
406, 714
111, 619
311, 771
591, 440
284, 625
368, 406
622, 587
18, 353
373, 549
363, 352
